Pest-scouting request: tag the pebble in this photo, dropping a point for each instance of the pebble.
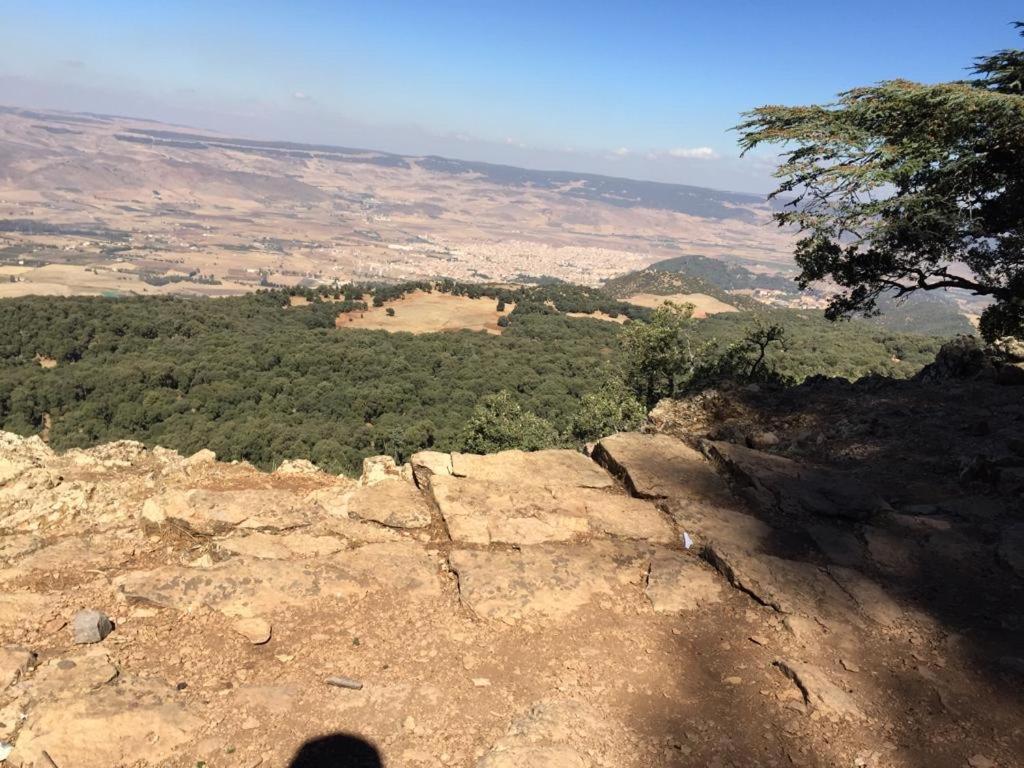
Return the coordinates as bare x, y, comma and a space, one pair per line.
90, 626
481, 682
257, 631
980, 761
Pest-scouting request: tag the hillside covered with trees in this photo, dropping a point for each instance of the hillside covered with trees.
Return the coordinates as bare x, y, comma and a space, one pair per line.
254, 379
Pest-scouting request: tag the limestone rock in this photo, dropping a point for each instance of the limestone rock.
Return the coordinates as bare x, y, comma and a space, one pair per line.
90, 626
14, 662
479, 511
772, 481
298, 467
394, 503
256, 630
207, 513
281, 546
73, 675
874, 602
788, 586
706, 523
677, 582
135, 723
658, 466
200, 458
245, 588
379, 468
819, 692
545, 581
426, 464
552, 468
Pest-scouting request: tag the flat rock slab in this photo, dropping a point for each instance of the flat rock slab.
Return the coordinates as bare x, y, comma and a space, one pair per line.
874, 601
706, 523
395, 503
247, 587
282, 546
212, 512
135, 723
546, 581
788, 586
819, 692
680, 582
14, 662
772, 481
658, 467
483, 512
551, 468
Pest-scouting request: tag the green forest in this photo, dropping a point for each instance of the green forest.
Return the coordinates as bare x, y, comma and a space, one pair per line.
252, 379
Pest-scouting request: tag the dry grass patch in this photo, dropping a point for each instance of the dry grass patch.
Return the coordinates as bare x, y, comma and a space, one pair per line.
599, 316
422, 312
703, 305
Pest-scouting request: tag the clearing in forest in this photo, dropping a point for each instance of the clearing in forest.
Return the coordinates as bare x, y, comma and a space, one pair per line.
703, 305
422, 312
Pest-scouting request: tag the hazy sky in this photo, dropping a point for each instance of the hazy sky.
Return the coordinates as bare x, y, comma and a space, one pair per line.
640, 89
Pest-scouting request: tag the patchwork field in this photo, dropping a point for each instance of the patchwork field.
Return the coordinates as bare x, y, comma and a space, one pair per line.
703, 305
422, 312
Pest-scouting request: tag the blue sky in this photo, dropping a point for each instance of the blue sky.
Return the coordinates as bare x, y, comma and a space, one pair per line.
642, 89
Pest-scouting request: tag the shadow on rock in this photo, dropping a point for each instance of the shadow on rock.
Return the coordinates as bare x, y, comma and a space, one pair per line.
339, 750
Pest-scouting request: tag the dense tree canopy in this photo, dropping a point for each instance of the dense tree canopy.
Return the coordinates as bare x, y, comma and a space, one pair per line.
253, 379
901, 187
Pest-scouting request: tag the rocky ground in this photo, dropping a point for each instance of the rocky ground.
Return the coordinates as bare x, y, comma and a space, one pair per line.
764, 579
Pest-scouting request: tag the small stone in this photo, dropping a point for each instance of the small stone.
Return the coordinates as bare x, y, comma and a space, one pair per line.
250, 724
481, 682
849, 666
758, 640
980, 761
409, 723
257, 631
733, 680
90, 626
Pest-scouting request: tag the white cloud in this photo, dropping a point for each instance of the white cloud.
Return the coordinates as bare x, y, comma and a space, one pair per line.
694, 153
300, 96
621, 151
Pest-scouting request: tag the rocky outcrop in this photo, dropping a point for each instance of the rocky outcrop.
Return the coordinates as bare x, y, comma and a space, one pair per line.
504, 611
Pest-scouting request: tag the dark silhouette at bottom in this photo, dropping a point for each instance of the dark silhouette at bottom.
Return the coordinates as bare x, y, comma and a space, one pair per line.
339, 750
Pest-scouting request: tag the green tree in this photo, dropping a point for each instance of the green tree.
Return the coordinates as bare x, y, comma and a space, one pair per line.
612, 408
658, 355
499, 423
901, 187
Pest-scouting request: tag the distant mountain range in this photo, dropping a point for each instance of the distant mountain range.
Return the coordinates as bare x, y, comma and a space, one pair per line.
626, 193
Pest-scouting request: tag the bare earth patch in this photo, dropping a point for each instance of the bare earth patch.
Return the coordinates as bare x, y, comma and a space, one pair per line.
422, 312
703, 305
599, 316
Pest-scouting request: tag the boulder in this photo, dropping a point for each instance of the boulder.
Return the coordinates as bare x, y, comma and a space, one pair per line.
563, 468
379, 468
395, 503
658, 466
298, 467
90, 626
959, 358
